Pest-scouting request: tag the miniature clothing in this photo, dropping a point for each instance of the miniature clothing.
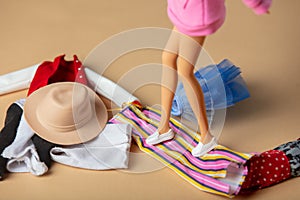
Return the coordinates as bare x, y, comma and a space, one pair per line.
17, 80
266, 169
222, 86
109, 150
43, 149
221, 171
21, 79
46, 74
22, 139
8, 132
258, 6
28, 162
49, 72
204, 17
108, 88
21, 153
58, 71
292, 152
197, 17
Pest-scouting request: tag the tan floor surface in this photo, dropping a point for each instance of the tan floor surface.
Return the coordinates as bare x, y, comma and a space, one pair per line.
265, 47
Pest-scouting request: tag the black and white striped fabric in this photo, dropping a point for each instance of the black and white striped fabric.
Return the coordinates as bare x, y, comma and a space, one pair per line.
292, 151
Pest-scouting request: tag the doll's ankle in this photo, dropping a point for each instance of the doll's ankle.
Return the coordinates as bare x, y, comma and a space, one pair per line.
207, 138
163, 130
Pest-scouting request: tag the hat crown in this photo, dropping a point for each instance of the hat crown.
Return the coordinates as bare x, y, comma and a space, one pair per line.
65, 108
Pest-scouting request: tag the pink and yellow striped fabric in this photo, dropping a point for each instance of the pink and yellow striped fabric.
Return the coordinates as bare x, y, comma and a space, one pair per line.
221, 171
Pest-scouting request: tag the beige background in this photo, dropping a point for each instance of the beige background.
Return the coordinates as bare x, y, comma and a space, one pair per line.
265, 47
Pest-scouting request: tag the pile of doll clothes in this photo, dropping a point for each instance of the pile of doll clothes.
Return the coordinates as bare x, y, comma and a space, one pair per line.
24, 151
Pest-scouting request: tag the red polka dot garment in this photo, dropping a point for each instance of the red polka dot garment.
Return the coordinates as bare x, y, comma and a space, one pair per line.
266, 169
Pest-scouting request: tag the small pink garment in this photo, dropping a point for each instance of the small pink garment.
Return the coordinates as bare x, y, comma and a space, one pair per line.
204, 17
258, 6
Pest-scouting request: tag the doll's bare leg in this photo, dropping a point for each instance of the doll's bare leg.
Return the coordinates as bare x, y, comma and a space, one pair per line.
189, 50
195, 96
168, 87
169, 79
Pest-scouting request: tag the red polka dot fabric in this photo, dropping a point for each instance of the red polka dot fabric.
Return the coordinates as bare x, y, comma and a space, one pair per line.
266, 169
59, 70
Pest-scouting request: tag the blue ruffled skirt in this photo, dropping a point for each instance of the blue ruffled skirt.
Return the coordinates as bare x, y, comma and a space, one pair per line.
222, 85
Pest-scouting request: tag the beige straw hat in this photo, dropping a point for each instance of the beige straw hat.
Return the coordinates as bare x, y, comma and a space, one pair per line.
65, 113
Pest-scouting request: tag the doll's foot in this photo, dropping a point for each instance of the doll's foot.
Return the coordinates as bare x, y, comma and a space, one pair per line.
157, 138
202, 149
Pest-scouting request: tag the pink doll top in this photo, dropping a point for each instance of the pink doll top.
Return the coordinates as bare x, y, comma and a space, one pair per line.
204, 17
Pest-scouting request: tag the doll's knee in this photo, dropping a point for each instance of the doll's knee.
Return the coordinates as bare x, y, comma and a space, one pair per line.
184, 68
169, 58
185, 74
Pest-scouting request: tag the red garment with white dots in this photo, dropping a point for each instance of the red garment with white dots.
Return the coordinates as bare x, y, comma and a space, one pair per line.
266, 169
59, 70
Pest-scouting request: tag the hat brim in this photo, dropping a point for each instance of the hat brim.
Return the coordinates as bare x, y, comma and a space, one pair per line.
83, 134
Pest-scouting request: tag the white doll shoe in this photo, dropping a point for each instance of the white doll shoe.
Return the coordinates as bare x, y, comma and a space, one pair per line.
156, 138
202, 149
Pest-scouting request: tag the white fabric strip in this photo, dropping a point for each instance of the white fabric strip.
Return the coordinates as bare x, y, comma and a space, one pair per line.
21, 79
110, 150
108, 88
18, 80
22, 153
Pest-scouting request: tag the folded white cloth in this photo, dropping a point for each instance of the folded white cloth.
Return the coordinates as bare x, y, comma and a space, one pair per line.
110, 150
27, 161
21, 79
108, 89
22, 140
22, 153
18, 80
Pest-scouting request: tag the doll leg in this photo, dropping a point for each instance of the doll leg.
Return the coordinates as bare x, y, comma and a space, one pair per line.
168, 87
195, 96
189, 49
